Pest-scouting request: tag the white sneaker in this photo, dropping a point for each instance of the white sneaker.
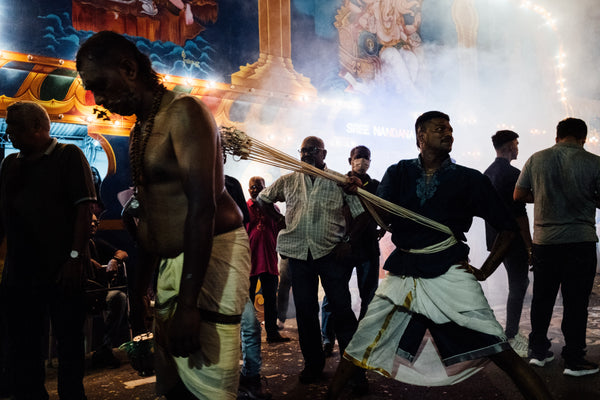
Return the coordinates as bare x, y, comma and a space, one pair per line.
541, 361
581, 368
520, 344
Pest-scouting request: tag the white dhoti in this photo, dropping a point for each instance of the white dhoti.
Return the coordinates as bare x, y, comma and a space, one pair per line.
212, 373
454, 297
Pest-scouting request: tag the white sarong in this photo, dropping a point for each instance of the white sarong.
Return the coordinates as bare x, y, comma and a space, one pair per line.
212, 373
455, 296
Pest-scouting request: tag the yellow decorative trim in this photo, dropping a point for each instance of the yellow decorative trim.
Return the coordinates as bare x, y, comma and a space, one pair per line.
385, 325
110, 154
408, 301
365, 366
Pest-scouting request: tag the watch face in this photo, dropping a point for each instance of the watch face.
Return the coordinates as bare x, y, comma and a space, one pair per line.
74, 254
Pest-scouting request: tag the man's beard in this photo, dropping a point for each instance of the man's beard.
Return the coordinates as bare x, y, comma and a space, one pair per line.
125, 105
309, 160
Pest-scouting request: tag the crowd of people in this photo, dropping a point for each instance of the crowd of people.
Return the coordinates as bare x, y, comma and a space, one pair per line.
205, 251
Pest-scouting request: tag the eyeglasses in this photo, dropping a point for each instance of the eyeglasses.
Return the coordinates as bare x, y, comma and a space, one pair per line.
256, 187
310, 150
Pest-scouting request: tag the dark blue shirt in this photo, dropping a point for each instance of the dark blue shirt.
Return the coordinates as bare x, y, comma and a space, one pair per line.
452, 196
504, 177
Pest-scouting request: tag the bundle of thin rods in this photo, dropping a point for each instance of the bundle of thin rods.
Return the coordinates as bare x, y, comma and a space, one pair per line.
238, 143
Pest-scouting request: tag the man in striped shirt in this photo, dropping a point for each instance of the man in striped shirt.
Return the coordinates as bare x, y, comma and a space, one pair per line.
316, 240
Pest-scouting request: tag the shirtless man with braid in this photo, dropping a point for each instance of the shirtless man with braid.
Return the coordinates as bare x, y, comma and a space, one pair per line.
189, 227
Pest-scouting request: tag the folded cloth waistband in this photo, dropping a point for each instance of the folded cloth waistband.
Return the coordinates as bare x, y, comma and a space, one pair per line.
210, 316
218, 318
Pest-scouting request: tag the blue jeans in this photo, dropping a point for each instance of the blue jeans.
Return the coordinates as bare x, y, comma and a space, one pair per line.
367, 279
327, 331
250, 327
305, 281
572, 268
268, 284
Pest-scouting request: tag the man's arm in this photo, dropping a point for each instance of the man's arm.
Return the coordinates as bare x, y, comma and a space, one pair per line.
234, 188
523, 223
522, 194
344, 249
358, 226
499, 250
271, 212
116, 260
70, 276
195, 146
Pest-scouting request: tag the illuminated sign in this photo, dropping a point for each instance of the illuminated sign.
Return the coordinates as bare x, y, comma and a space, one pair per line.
362, 129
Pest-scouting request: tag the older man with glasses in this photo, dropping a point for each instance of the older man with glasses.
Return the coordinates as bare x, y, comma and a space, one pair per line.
315, 240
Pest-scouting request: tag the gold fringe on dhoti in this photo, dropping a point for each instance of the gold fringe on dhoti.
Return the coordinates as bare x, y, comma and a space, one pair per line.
455, 296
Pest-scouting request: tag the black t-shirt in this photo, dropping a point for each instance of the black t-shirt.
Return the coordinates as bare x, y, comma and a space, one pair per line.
504, 178
452, 197
38, 202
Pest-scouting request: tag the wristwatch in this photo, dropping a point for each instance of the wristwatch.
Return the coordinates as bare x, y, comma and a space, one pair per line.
74, 254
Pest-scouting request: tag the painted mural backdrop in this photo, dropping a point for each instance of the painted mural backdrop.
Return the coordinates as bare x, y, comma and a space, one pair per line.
373, 64
201, 39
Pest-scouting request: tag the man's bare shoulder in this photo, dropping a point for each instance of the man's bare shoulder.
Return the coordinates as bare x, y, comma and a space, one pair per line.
185, 103
184, 114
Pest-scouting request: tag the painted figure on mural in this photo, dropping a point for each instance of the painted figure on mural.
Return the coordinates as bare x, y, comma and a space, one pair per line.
386, 19
386, 34
164, 20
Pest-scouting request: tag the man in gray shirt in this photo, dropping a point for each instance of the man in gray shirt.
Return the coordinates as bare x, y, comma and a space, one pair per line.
563, 182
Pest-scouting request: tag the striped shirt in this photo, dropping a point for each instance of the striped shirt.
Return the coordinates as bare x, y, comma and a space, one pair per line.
314, 214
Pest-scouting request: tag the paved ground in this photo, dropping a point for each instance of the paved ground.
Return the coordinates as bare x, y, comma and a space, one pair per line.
283, 362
